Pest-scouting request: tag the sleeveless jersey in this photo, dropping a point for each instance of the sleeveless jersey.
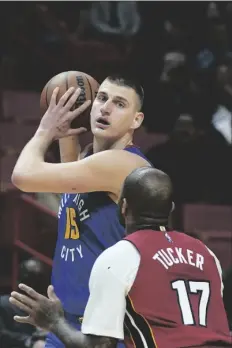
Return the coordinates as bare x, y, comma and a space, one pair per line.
87, 224
175, 300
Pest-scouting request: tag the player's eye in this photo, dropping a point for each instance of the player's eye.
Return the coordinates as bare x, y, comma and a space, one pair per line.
120, 104
101, 97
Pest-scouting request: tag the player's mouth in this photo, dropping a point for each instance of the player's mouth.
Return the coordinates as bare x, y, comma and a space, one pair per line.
102, 123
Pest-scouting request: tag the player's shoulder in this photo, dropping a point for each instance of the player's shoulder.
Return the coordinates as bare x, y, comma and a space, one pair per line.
121, 250
189, 237
127, 158
190, 240
120, 258
194, 240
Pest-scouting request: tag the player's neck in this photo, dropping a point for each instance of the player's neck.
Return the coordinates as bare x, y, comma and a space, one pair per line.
100, 144
156, 225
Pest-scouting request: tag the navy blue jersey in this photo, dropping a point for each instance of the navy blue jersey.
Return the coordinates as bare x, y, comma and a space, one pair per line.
88, 224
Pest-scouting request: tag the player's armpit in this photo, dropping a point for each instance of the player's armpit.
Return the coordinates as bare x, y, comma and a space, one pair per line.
104, 171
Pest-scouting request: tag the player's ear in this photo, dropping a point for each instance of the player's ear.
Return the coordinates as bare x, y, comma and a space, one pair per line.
124, 206
173, 207
138, 119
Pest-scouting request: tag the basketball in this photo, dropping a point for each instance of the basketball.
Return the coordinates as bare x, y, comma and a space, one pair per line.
64, 81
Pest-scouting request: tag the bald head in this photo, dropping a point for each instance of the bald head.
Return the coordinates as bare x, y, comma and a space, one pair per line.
148, 193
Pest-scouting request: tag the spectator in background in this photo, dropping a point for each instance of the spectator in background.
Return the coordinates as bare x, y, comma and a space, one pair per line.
176, 157
117, 22
174, 68
222, 118
194, 156
173, 90
12, 334
118, 18
218, 39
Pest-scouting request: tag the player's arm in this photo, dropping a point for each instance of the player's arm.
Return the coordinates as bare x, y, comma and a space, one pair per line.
47, 314
71, 338
111, 279
104, 171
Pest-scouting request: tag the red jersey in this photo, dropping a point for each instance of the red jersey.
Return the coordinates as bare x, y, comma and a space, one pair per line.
176, 299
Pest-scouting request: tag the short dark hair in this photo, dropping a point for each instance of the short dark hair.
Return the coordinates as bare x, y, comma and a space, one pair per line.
128, 81
148, 192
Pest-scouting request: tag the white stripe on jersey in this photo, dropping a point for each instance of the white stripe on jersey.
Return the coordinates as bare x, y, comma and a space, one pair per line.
219, 268
145, 345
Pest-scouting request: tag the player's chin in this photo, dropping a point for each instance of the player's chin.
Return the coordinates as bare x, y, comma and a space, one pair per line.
100, 132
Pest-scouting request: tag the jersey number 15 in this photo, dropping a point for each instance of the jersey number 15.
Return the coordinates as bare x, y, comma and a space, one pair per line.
186, 288
71, 230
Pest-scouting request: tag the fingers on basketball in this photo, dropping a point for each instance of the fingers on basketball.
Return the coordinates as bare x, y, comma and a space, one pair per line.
54, 97
80, 99
80, 109
69, 98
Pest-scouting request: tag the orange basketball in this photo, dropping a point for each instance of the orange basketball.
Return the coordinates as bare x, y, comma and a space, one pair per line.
65, 80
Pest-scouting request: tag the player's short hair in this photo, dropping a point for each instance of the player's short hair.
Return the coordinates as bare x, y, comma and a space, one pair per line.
128, 81
149, 194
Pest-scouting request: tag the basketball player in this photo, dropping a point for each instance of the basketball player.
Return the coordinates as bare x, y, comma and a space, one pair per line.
88, 219
164, 285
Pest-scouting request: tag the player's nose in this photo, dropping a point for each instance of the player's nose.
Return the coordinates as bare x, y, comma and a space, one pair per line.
106, 108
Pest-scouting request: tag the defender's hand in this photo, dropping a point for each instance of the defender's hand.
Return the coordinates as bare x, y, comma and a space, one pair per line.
42, 312
58, 117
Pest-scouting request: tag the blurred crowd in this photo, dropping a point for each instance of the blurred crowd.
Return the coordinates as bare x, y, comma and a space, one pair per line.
194, 104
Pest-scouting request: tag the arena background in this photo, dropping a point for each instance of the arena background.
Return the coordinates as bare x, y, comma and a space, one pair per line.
182, 54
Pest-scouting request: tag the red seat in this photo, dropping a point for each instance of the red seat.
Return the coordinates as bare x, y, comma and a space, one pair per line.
22, 105
15, 135
206, 217
213, 225
220, 242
